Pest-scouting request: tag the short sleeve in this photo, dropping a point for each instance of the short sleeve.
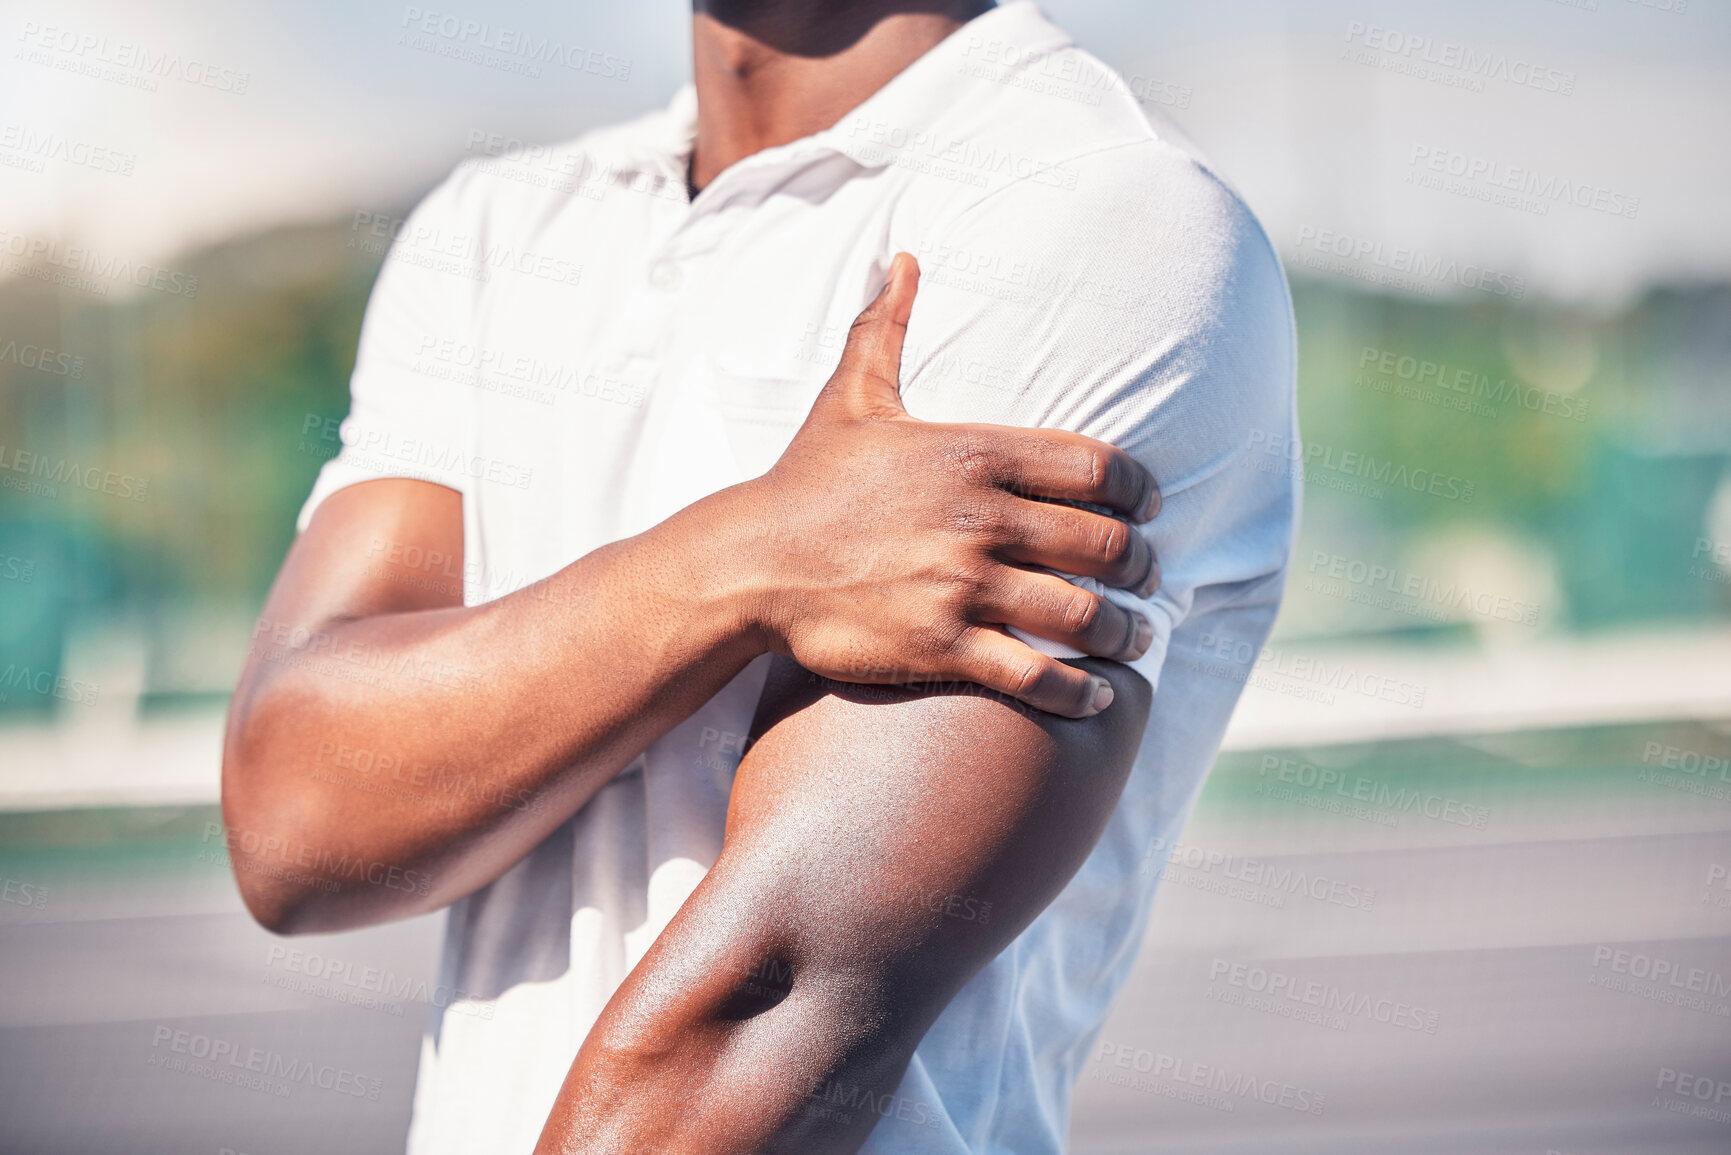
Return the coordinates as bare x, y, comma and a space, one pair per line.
1141, 305
408, 417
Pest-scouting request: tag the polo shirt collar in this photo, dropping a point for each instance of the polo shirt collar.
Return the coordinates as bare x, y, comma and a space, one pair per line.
945, 86
940, 87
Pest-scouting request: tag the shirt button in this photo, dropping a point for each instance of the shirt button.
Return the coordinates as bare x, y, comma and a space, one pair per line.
666, 275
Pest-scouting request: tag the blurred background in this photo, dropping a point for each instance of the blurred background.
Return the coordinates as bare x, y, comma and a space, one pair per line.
1488, 913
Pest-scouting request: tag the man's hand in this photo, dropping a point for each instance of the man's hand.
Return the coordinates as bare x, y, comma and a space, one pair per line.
894, 549
879, 549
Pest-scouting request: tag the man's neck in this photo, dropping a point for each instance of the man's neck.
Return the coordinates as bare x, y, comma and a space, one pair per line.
772, 71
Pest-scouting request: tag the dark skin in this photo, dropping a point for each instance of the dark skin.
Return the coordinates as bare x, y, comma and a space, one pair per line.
888, 797
868, 829
773, 71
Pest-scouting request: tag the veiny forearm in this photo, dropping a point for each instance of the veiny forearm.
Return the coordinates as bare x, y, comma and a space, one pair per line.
410, 757
881, 848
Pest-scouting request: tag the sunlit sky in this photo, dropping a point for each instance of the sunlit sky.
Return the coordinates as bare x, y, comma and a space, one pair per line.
338, 115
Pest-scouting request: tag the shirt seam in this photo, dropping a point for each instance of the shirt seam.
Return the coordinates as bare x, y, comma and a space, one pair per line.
1073, 158
1012, 1014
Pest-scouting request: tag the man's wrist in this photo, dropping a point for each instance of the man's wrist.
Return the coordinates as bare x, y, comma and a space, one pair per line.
722, 553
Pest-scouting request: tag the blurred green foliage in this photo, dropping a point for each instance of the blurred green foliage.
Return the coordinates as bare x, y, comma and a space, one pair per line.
1593, 445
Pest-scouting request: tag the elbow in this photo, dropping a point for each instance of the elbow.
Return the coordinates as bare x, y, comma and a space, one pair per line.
831, 1013
857, 1014
299, 869
279, 898
261, 836
264, 821
274, 912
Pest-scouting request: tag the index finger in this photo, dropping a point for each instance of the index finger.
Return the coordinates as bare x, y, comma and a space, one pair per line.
1056, 463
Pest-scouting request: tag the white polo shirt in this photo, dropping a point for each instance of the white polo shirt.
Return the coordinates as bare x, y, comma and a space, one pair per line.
561, 336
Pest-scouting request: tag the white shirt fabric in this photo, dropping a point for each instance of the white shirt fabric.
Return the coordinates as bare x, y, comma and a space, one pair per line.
564, 338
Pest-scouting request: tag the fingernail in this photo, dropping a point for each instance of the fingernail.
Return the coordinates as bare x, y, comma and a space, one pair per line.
1144, 635
1152, 582
1102, 694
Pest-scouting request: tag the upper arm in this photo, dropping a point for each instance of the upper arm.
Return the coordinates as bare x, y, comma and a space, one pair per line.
1143, 306
915, 832
387, 546
882, 846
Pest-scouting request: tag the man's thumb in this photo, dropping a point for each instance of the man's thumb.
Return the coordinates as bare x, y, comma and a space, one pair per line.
871, 362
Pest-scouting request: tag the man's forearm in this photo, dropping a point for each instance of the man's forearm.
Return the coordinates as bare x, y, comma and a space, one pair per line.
831, 557
882, 846
472, 731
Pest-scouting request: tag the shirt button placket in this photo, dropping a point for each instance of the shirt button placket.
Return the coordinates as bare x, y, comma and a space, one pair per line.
666, 276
